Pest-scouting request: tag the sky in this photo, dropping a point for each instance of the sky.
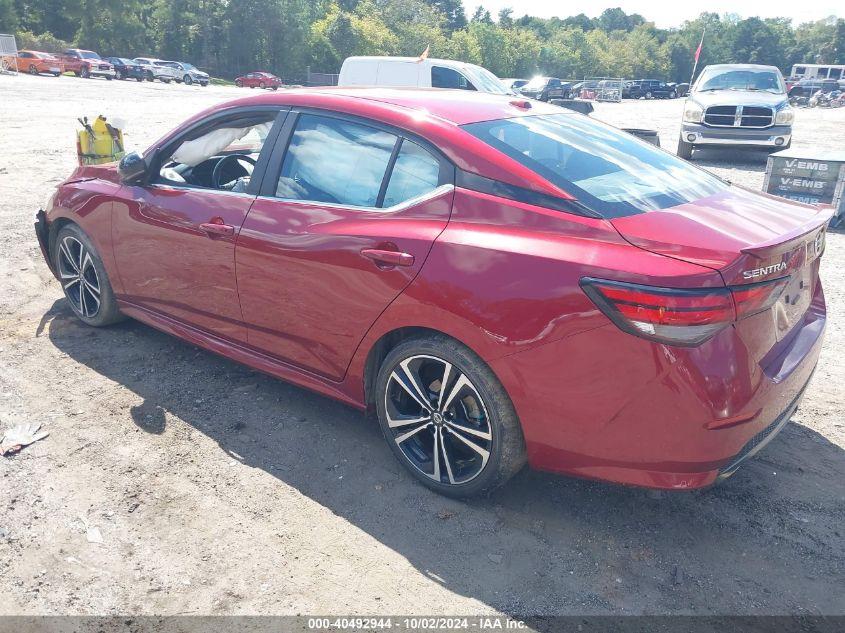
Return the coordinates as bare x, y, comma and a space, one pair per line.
667, 14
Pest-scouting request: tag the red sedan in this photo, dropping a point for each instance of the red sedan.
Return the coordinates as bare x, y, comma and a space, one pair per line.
258, 80
501, 281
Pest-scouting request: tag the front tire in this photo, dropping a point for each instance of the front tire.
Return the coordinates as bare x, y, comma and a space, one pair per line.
33, 70
685, 149
86, 73
447, 418
187, 80
83, 278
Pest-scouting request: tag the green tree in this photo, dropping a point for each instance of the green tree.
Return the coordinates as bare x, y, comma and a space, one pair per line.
8, 17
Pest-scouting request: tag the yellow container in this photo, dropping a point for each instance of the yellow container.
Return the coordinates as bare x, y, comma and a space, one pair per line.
99, 143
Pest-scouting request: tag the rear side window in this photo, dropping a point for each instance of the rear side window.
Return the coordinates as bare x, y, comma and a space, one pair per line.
607, 170
415, 173
335, 161
442, 77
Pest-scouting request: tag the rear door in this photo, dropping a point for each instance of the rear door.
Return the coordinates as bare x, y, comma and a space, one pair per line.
343, 224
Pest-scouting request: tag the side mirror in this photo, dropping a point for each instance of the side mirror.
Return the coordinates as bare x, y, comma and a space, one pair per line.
132, 168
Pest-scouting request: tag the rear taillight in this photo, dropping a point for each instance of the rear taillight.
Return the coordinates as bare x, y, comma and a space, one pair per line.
677, 316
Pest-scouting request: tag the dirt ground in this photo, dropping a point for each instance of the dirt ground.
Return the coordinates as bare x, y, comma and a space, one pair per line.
218, 490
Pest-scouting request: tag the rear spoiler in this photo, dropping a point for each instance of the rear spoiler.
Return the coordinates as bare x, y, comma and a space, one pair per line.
789, 240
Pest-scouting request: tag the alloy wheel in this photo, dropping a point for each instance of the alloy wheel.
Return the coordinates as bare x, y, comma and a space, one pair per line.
79, 277
33, 70
438, 419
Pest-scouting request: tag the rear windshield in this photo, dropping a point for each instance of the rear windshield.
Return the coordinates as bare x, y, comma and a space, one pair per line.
607, 170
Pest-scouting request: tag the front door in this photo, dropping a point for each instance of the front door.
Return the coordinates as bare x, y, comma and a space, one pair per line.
332, 240
175, 237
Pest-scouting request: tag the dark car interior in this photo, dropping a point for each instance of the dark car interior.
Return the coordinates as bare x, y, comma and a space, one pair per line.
222, 157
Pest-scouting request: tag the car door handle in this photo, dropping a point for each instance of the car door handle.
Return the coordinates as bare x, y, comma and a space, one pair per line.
388, 258
214, 228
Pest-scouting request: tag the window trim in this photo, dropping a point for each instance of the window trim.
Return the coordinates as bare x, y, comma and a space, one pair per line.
269, 184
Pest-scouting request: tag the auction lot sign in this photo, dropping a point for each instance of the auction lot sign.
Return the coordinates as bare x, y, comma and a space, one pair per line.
813, 177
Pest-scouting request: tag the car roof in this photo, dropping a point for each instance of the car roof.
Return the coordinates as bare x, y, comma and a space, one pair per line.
458, 107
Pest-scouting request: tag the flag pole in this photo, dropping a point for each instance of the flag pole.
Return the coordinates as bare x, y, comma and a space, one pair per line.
697, 55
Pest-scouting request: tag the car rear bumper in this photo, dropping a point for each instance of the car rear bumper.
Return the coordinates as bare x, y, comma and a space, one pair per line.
775, 136
606, 405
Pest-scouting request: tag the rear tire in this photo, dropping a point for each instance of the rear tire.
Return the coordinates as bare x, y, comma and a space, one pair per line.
467, 440
685, 149
83, 278
239, 84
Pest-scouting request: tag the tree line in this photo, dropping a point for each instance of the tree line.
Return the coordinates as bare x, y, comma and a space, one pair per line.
228, 37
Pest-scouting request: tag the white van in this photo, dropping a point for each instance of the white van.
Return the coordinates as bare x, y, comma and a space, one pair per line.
417, 73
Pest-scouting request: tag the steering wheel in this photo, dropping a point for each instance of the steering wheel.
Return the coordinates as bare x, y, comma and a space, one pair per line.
218, 168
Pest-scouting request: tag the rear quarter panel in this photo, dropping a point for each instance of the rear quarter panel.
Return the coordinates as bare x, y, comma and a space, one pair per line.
503, 277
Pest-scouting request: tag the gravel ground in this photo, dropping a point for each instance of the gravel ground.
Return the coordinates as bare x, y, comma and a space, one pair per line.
218, 490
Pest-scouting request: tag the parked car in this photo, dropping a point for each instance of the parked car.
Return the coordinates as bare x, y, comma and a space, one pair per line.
809, 87
648, 89
126, 68
37, 62
475, 272
259, 79
160, 69
191, 74
86, 64
681, 90
514, 84
146, 64
414, 72
545, 88
738, 106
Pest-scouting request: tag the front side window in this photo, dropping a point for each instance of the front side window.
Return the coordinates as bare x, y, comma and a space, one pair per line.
221, 157
415, 173
90, 55
608, 170
442, 77
335, 161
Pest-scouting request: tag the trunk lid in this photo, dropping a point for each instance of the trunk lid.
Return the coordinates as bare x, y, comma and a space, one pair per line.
748, 238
